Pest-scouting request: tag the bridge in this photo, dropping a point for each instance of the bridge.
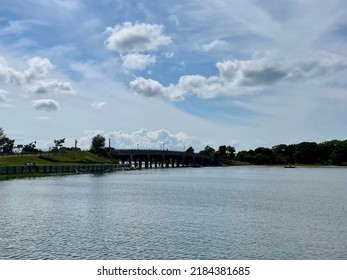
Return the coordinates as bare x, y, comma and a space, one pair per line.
143, 158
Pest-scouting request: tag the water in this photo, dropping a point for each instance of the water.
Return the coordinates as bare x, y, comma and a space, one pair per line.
184, 213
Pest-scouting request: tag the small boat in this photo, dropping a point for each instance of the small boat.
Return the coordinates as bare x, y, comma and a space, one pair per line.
289, 166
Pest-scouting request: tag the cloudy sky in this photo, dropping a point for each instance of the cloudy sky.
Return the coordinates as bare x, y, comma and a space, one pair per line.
244, 73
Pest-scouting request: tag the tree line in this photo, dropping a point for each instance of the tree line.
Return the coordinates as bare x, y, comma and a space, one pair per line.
332, 152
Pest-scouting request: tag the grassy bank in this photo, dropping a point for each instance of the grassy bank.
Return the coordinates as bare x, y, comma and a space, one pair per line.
69, 157
62, 158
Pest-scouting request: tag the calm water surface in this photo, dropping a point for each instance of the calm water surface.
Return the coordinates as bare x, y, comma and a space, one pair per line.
184, 213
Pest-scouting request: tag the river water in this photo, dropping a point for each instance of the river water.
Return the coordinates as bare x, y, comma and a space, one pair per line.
177, 213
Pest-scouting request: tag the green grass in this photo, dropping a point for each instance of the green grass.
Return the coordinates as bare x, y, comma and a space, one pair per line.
63, 158
74, 157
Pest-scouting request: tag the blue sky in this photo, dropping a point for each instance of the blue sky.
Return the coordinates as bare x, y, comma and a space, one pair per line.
242, 73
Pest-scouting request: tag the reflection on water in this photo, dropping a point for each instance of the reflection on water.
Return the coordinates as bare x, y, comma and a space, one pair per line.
183, 213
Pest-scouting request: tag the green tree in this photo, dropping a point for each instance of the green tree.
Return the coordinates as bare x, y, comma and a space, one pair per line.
190, 150
30, 148
231, 152
280, 153
222, 150
264, 156
339, 154
224, 155
6, 144
98, 144
306, 153
246, 156
325, 151
208, 151
59, 143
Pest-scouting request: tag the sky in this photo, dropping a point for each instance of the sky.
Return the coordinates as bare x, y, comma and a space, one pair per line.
173, 74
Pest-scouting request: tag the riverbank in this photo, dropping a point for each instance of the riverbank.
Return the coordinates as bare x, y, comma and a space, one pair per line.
65, 162
60, 158
17, 172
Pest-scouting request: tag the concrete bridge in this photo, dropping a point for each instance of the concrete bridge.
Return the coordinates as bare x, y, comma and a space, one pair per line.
142, 158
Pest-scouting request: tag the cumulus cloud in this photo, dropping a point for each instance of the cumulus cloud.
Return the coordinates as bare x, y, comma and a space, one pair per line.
48, 105
48, 86
138, 37
189, 84
153, 139
137, 61
238, 77
133, 41
274, 67
251, 72
38, 68
147, 87
145, 139
98, 104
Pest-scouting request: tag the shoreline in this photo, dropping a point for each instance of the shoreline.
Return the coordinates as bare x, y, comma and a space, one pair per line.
19, 172
119, 167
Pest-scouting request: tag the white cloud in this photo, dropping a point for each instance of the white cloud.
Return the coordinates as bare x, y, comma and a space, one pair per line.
138, 37
48, 105
98, 104
213, 44
28, 80
153, 139
239, 77
147, 87
275, 66
145, 139
38, 67
137, 61
49, 86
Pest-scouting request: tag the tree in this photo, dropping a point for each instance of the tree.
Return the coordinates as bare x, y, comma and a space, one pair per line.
339, 155
263, 156
208, 151
246, 156
98, 143
30, 148
6, 144
326, 150
231, 151
306, 152
190, 150
224, 155
222, 150
59, 143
